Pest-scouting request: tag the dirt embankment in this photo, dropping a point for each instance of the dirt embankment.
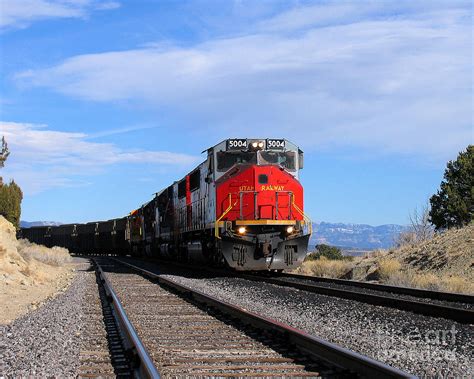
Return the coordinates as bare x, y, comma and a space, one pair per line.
443, 263
29, 273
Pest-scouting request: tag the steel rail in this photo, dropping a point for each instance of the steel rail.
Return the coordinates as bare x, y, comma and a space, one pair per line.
146, 367
461, 315
314, 346
416, 292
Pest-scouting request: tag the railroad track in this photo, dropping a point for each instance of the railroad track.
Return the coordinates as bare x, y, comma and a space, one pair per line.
415, 292
182, 332
102, 352
451, 306
460, 306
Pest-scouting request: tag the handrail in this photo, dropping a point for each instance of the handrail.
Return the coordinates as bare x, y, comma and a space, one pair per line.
306, 218
216, 225
255, 194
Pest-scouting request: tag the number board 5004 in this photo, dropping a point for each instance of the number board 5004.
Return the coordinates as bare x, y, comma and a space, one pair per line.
275, 144
236, 144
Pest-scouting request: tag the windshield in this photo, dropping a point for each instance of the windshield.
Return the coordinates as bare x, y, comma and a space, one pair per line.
282, 158
226, 159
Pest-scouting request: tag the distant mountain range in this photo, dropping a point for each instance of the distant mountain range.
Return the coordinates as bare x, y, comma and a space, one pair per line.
27, 224
346, 236
356, 236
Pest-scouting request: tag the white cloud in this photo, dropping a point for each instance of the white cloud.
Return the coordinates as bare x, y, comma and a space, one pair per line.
384, 79
21, 13
345, 12
42, 158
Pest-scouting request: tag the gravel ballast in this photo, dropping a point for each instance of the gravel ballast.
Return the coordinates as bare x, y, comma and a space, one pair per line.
421, 345
46, 342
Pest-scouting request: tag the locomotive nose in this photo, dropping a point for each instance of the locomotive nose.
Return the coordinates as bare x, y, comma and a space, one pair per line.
274, 193
260, 193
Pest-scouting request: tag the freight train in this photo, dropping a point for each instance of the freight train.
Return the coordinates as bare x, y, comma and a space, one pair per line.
242, 207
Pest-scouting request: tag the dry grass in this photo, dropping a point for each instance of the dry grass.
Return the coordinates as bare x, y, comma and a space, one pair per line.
425, 280
56, 256
443, 262
326, 267
428, 281
458, 284
388, 267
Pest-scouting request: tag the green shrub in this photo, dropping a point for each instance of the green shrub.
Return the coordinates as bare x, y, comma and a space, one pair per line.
329, 252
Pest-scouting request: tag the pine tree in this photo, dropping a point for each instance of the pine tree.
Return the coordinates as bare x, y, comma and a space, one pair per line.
10, 202
4, 153
10, 194
453, 204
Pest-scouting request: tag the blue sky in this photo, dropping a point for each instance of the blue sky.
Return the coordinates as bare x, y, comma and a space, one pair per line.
104, 103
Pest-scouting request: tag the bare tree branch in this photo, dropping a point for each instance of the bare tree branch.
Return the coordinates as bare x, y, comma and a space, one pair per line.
420, 228
420, 223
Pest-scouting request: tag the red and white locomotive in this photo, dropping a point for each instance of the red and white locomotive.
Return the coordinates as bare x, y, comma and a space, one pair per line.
243, 207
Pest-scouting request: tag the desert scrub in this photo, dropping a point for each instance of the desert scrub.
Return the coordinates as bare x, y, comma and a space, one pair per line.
55, 256
326, 267
388, 267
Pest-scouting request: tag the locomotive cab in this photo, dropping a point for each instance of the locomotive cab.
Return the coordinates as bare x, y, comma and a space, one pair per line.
278, 152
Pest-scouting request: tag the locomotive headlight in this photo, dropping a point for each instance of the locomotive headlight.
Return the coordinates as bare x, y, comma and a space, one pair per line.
254, 144
242, 230
260, 145
290, 229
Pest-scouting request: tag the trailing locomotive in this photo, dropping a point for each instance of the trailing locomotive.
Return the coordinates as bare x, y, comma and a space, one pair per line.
242, 207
